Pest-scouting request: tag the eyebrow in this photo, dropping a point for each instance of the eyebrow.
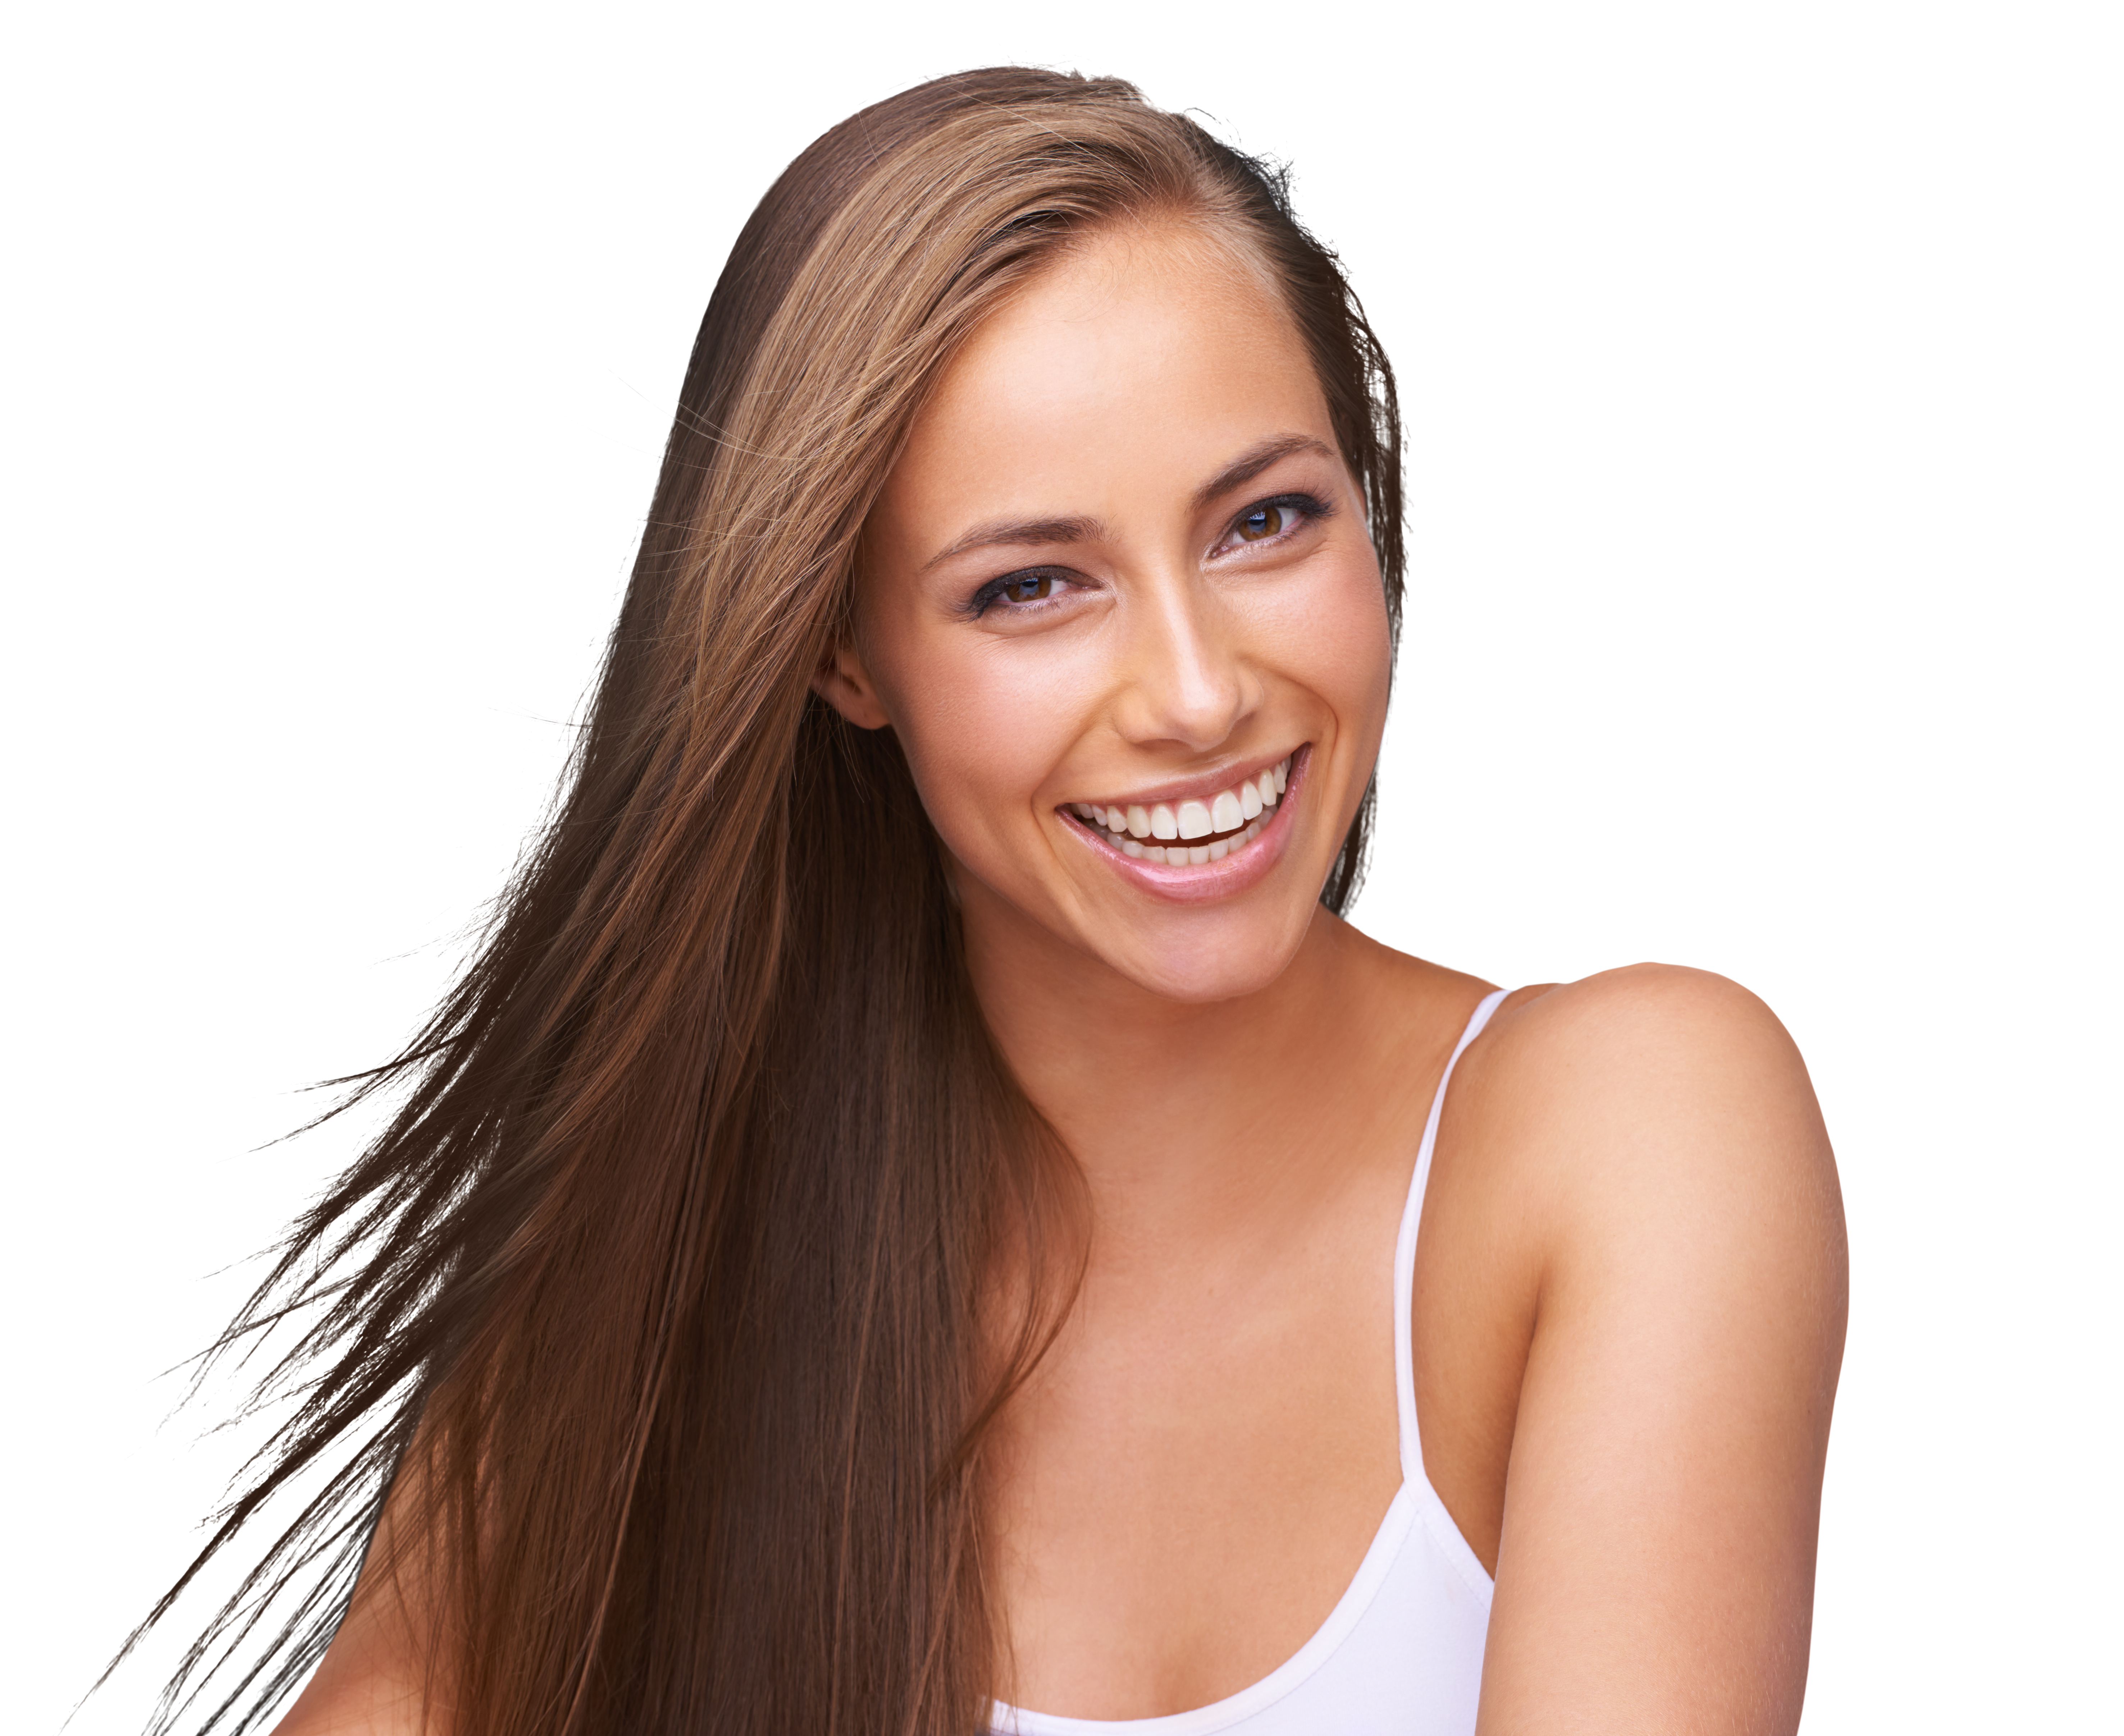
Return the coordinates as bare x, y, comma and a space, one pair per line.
1021, 533
1256, 459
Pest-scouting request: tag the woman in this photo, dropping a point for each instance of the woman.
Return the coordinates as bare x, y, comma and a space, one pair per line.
923, 1217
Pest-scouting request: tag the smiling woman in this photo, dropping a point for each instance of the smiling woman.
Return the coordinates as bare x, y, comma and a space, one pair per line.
1121, 609
923, 1217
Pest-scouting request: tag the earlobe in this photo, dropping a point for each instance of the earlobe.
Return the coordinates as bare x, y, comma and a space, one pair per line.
845, 685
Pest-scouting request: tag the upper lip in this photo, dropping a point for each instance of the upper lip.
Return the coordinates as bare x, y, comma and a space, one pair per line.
1203, 787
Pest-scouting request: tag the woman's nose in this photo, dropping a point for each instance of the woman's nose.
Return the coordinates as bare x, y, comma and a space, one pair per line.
1185, 680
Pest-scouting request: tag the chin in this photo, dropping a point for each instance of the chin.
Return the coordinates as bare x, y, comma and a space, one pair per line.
1214, 966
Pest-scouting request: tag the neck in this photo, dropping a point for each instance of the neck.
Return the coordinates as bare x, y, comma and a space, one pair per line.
1214, 1116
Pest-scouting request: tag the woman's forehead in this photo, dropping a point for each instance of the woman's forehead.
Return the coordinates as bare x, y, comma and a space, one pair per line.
1124, 290
1140, 353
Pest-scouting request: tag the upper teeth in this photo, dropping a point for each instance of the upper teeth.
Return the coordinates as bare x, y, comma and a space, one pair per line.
1226, 811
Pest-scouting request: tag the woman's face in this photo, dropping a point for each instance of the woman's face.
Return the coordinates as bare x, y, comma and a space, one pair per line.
1119, 602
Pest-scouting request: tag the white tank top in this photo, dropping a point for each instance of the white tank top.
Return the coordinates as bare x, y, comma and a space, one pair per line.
1402, 1653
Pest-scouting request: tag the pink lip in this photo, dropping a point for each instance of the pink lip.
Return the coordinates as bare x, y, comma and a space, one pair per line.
1196, 883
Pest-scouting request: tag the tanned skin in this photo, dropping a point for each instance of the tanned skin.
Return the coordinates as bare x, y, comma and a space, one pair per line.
1630, 1284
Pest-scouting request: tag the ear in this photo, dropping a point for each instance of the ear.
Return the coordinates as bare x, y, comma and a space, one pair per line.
845, 685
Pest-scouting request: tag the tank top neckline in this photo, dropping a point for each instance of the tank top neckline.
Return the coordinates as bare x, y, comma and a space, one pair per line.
1414, 1503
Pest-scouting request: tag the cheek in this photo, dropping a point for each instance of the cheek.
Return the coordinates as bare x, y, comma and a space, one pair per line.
1330, 637
983, 730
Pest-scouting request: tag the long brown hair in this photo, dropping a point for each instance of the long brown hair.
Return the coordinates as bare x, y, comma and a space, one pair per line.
669, 1288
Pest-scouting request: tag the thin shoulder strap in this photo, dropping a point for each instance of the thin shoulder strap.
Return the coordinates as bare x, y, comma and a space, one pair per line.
1411, 1444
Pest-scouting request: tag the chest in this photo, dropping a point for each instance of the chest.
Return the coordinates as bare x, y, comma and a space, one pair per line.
1185, 1496
1186, 1490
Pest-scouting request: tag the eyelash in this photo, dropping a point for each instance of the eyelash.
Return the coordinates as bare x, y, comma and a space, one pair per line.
1309, 506
978, 603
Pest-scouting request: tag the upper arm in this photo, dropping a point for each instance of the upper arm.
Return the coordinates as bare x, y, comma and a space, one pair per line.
1656, 1566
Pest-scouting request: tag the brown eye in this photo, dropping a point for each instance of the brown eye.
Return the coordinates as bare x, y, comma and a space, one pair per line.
1263, 521
1017, 593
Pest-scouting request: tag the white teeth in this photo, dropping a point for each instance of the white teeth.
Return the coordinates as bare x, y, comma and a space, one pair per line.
1240, 810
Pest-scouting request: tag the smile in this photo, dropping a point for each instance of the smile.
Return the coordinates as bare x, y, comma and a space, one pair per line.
1195, 830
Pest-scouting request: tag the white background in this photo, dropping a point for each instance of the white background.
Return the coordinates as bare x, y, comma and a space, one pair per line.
1762, 372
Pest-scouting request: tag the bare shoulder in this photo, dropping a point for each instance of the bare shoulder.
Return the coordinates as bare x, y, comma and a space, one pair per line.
1649, 1142
1645, 1153
1666, 1014
1651, 1088
377, 1675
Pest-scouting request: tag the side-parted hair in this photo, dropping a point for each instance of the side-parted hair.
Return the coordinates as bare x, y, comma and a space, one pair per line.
667, 1303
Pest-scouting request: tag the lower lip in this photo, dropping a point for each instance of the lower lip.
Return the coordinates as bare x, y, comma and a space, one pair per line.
1193, 883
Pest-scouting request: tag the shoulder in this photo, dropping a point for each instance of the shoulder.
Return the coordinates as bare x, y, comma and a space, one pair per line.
379, 1675
1647, 1048
1643, 1108
1645, 1177
1666, 1013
